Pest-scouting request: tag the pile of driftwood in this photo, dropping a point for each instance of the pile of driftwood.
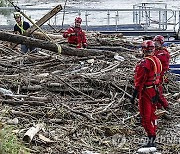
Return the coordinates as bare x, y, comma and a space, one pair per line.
80, 103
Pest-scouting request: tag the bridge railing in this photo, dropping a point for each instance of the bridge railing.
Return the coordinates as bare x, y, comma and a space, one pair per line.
149, 18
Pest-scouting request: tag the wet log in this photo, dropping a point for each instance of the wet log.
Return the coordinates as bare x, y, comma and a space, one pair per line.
4, 36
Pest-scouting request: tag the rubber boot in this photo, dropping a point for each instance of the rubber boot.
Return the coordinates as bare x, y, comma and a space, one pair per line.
151, 140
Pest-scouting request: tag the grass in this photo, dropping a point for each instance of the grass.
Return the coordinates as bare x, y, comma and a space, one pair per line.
9, 143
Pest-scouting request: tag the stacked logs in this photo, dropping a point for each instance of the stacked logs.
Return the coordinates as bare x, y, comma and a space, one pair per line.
71, 104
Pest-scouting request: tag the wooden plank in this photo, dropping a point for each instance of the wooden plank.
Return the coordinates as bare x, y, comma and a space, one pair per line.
44, 19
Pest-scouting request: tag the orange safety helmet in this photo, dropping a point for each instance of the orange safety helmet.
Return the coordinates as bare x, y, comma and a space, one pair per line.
148, 45
78, 20
159, 38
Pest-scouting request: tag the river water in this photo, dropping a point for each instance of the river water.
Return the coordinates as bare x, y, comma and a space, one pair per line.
94, 18
116, 4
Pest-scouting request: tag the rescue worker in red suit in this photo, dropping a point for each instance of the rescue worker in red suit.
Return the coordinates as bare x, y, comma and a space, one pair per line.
76, 35
164, 56
146, 80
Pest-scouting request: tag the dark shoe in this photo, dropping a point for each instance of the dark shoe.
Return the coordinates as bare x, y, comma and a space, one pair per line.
151, 140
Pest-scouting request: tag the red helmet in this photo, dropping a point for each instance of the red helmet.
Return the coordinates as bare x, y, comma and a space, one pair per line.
159, 38
148, 45
78, 19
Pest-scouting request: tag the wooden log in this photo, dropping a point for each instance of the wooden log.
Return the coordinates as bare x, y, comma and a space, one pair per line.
13, 102
44, 19
112, 48
70, 90
88, 116
9, 76
94, 102
40, 35
5, 36
28, 136
58, 121
19, 113
36, 58
44, 99
32, 88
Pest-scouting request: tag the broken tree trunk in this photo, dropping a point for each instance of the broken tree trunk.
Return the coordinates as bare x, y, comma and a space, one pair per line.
32, 132
4, 36
44, 19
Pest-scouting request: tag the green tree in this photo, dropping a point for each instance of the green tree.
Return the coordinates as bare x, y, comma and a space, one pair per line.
4, 3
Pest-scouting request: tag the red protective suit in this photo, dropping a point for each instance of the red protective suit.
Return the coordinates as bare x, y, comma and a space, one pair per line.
164, 57
78, 38
147, 75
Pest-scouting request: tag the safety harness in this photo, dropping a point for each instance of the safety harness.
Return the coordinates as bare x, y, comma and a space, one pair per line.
155, 82
21, 27
157, 71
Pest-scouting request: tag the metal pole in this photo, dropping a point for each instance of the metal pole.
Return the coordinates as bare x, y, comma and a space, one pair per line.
179, 22
134, 14
142, 13
86, 16
163, 20
139, 15
175, 14
108, 14
160, 19
166, 17
117, 15
149, 14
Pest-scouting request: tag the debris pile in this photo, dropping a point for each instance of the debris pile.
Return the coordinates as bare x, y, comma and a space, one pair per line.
70, 104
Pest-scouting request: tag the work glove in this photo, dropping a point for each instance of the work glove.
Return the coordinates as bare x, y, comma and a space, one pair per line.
72, 34
135, 93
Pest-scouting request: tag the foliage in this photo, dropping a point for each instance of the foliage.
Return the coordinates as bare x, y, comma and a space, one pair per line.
9, 143
5, 3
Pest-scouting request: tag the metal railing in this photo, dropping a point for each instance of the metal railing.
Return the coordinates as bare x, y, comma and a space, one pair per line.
144, 15
161, 16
